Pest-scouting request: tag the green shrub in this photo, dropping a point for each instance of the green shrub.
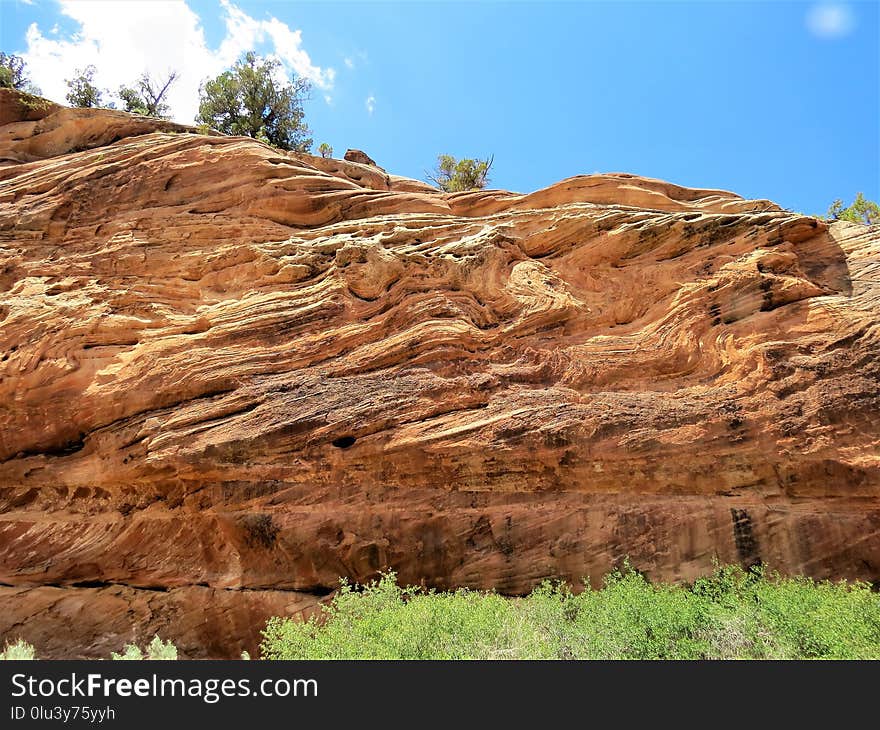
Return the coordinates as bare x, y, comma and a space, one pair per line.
156, 649
731, 614
456, 176
861, 210
823, 620
18, 649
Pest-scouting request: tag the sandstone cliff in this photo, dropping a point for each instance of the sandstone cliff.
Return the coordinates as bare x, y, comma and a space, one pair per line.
231, 375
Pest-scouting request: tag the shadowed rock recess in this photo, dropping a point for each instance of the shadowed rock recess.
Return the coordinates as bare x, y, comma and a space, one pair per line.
231, 375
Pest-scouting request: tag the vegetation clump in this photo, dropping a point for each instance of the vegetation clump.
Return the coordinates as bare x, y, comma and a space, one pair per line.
13, 74
456, 176
862, 210
18, 649
732, 614
155, 650
82, 91
251, 100
148, 95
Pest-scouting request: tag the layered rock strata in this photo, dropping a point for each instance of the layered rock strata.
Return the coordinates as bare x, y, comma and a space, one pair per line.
230, 375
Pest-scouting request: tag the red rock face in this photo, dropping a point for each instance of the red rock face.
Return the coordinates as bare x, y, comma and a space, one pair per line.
231, 375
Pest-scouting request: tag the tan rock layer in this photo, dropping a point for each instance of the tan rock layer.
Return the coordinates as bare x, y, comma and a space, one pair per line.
225, 367
203, 621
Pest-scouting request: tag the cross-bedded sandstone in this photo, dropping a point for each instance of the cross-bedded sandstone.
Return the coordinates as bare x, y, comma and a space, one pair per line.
231, 375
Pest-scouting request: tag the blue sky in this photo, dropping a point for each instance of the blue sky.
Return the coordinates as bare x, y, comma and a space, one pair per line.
778, 100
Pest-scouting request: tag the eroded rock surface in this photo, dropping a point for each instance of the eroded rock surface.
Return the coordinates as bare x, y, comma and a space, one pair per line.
359, 156
231, 375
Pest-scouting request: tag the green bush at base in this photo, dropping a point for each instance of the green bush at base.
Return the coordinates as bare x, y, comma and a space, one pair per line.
732, 614
17, 650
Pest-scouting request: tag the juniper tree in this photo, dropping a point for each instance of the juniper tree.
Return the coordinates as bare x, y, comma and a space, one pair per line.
455, 176
861, 211
82, 91
147, 95
13, 75
251, 100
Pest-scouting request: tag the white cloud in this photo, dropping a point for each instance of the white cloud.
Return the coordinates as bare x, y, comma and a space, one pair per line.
370, 103
348, 62
125, 39
830, 20
328, 99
